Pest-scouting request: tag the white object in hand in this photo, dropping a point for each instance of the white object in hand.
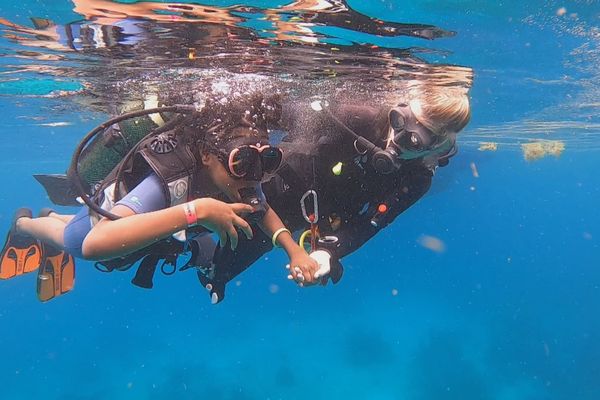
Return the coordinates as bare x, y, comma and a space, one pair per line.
323, 258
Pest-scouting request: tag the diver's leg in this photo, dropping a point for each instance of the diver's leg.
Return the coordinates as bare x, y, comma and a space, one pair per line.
48, 212
47, 229
66, 218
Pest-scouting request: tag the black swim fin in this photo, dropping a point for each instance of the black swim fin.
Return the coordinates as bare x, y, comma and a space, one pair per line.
21, 254
59, 188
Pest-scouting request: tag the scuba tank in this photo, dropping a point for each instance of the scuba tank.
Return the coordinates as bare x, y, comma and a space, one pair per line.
110, 147
105, 150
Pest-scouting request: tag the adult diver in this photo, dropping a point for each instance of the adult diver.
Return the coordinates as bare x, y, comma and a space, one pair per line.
348, 171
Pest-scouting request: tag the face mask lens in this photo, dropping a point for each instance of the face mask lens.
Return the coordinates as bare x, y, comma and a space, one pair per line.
271, 159
396, 120
414, 140
409, 141
242, 160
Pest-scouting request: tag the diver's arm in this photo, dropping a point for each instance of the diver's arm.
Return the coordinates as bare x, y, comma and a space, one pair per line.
115, 238
270, 224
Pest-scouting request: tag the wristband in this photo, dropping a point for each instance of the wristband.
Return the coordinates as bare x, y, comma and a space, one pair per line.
277, 233
190, 214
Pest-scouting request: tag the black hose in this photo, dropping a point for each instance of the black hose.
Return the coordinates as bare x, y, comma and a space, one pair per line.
74, 176
369, 146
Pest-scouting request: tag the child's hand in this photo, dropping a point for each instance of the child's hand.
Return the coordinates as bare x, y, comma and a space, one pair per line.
302, 269
223, 219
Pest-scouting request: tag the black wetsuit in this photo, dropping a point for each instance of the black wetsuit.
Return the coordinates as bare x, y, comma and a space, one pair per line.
348, 202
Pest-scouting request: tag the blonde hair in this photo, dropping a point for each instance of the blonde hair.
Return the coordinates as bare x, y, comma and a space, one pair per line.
441, 109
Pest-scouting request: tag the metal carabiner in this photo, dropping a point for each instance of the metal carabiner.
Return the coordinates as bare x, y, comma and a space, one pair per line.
315, 207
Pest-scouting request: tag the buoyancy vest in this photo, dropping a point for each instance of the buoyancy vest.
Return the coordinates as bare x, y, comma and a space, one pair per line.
174, 164
176, 167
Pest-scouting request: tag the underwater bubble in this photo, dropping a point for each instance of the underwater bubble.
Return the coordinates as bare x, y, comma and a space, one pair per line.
316, 105
221, 87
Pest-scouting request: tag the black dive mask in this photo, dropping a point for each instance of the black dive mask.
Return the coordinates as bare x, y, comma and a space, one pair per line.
408, 139
246, 159
408, 133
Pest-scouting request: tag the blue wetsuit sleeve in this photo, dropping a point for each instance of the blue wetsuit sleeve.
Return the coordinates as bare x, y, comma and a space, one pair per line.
146, 197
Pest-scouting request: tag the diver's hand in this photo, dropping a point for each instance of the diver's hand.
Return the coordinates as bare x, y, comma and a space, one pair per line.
302, 269
223, 218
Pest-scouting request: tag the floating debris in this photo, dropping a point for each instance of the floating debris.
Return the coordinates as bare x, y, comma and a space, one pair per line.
488, 146
536, 150
561, 11
394, 292
546, 349
432, 243
474, 170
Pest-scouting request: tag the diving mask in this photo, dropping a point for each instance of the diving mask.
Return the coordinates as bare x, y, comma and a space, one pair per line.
250, 161
410, 138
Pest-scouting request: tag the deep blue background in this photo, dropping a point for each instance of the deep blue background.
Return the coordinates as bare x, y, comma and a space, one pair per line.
508, 311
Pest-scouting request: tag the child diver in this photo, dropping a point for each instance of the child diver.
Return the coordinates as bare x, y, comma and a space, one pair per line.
167, 185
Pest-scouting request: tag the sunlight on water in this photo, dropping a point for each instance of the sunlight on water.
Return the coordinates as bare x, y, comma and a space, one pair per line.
147, 43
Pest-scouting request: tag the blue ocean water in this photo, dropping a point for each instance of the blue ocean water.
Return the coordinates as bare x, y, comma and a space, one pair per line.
507, 311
